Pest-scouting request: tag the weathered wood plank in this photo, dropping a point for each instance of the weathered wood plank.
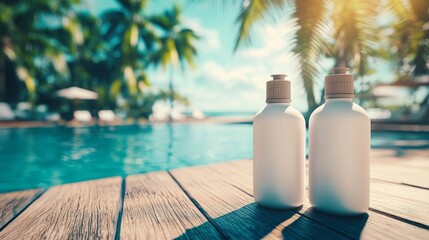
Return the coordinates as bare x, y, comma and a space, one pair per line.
402, 175
236, 215
14, 202
155, 207
409, 167
86, 210
400, 200
401, 166
372, 225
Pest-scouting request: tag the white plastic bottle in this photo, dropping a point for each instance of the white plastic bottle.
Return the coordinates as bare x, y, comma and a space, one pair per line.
339, 148
278, 149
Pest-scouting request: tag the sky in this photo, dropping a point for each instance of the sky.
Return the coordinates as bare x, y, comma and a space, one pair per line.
224, 80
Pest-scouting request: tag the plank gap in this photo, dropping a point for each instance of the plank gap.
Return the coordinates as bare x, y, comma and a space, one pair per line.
242, 190
198, 206
37, 196
411, 185
411, 222
84, 210
120, 210
245, 171
399, 183
393, 216
235, 212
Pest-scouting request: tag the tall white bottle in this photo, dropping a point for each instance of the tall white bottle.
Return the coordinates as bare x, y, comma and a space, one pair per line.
339, 148
278, 149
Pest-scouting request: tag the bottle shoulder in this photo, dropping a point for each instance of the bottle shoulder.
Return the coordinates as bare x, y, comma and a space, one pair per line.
339, 110
278, 111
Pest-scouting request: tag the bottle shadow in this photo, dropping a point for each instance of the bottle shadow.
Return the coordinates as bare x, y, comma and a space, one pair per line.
351, 226
254, 222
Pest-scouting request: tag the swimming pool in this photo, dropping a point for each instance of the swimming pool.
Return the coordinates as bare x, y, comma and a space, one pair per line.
42, 157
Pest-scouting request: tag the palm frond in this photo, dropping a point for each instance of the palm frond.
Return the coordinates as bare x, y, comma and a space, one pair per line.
401, 10
176, 43
410, 39
252, 12
113, 23
161, 21
310, 42
133, 6
147, 34
355, 33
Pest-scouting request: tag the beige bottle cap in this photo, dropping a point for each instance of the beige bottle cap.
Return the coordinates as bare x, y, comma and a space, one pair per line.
339, 84
278, 89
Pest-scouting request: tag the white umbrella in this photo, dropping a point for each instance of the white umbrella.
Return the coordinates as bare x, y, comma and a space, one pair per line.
77, 93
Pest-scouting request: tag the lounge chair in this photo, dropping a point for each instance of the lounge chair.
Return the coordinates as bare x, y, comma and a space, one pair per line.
6, 113
379, 113
198, 114
159, 113
82, 116
53, 117
175, 115
22, 111
106, 115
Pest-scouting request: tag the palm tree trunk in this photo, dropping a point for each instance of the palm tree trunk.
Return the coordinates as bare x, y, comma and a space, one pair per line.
311, 101
425, 105
422, 54
322, 96
171, 95
2, 79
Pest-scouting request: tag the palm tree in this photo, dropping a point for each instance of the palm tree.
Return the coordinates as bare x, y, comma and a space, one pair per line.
130, 37
86, 55
176, 45
410, 38
410, 43
351, 42
33, 37
353, 33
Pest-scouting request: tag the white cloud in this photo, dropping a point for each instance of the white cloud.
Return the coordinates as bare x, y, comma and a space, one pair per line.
240, 87
238, 83
209, 37
228, 77
273, 39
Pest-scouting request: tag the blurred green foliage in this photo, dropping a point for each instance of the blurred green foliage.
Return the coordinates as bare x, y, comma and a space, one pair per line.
48, 45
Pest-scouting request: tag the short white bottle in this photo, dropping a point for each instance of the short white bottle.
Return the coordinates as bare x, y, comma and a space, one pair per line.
278, 149
339, 148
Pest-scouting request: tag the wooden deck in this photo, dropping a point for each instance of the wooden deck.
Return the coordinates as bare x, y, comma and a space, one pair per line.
215, 202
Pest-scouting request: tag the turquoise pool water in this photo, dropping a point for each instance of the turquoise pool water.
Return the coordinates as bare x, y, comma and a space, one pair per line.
42, 157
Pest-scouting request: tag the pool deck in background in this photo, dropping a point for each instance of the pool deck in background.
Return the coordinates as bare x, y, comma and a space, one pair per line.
375, 125
215, 202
